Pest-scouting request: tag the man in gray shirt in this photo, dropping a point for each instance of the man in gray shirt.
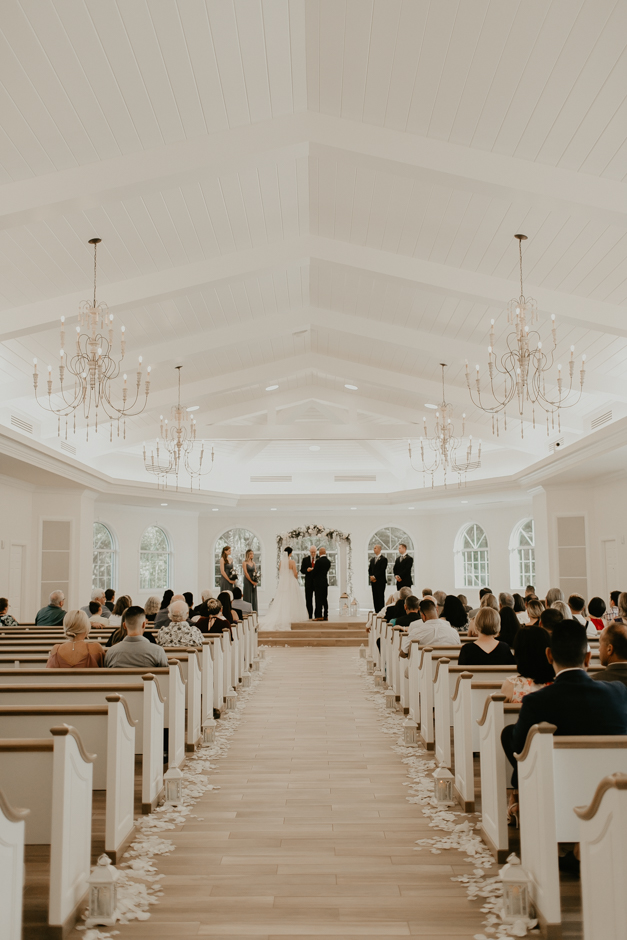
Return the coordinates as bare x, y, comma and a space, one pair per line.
135, 651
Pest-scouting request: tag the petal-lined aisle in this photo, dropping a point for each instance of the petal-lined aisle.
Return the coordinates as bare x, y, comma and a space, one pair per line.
311, 833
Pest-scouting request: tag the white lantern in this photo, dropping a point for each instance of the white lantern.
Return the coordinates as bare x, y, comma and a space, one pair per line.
103, 894
209, 731
378, 679
362, 651
515, 891
246, 680
410, 732
369, 665
344, 605
443, 787
231, 700
390, 698
354, 607
261, 652
255, 665
173, 783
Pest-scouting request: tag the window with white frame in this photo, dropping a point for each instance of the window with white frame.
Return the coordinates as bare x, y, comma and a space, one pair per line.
522, 548
103, 567
389, 539
154, 560
240, 540
473, 563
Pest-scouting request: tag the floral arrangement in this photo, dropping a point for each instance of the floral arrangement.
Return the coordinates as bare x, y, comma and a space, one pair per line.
317, 531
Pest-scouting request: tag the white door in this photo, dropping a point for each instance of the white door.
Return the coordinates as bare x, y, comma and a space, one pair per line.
610, 562
16, 584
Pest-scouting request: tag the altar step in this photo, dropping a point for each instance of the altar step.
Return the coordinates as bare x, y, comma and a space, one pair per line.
318, 633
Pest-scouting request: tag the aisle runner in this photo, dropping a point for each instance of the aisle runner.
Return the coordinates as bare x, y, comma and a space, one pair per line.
138, 886
460, 835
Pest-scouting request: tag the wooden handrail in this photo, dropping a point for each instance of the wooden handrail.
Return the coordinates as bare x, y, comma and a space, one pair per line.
71, 687
26, 744
495, 697
149, 677
611, 782
9, 710
116, 697
12, 813
543, 728
462, 675
444, 661
61, 730
592, 741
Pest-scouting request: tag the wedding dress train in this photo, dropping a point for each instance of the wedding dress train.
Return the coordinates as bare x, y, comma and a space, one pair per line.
288, 605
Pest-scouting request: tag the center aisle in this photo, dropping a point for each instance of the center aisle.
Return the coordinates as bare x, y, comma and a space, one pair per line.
311, 834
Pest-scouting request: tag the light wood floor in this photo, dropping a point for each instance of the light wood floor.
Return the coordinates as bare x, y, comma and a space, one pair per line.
311, 834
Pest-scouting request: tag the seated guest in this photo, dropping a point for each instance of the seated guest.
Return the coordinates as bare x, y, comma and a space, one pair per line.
412, 612
510, 625
6, 619
163, 616
398, 608
454, 612
244, 607
530, 591
177, 631
52, 615
534, 669
596, 609
200, 610
612, 611
214, 621
122, 603
95, 615
519, 608
225, 598
549, 618
486, 649
621, 607
151, 608
440, 598
464, 600
534, 610
613, 653
574, 702
552, 595
135, 650
120, 632
98, 595
487, 600
430, 630
109, 599
188, 597
563, 608
427, 592
482, 592
577, 606
76, 653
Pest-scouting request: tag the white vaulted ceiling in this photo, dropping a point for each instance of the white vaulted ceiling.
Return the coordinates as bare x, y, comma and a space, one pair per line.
310, 194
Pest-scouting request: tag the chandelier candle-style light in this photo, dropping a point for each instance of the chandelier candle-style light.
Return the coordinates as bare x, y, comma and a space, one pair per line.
524, 368
440, 452
91, 370
177, 449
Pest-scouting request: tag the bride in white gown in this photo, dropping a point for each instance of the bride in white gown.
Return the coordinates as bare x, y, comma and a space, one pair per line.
288, 605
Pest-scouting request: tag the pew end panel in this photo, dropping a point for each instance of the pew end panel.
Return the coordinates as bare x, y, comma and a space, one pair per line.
495, 772
152, 758
12, 834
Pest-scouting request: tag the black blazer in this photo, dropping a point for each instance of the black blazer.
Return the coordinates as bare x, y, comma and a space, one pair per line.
321, 570
306, 563
402, 567
408, 619
576, 704
395, 611
377, 567
615, 672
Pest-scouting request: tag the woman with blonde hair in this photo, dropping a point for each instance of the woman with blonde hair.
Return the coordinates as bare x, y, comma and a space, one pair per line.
486, 649
488, 600
152, 608
76, 652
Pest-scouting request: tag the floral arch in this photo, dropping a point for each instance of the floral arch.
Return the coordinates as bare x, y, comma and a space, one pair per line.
344, 564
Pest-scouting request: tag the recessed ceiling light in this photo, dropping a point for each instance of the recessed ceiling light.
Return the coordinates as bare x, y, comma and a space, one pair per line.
314, 447
464, 500
431, 406
193, 408
164, 504
353, 388
411, 507
353, 507
271, 388
273, 509
215, 510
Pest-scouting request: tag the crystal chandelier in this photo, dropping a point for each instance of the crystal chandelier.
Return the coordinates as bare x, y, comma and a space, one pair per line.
440, 452
91, 370
176, 449
524, 368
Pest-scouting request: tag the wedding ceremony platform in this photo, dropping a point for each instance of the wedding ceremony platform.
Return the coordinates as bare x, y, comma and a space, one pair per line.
346, 632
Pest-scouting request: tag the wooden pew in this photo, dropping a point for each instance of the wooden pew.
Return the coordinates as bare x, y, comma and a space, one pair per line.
555, 774
52, 777
108, 732
495, 773
603, 828
145, 704
12, 834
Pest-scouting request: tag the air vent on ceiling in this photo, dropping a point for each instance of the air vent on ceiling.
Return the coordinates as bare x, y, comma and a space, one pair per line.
357, 478
271, 479
68, 448
556, 445
600, 420
21, 424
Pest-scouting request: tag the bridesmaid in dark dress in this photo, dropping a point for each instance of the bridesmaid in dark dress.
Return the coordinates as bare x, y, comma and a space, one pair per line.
227, 574
250, 582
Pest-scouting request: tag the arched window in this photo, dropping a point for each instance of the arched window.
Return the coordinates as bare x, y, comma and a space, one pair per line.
389, 539
472, 560
240, 541
154, 560
522, 555
104, 567
301, 548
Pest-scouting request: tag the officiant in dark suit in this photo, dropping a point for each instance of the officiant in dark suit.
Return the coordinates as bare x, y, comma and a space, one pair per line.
377, 575
402, 568
321, 585
307, 569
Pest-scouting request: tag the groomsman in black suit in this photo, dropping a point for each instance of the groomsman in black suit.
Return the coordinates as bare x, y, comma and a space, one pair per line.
321, 585
377, 576
402, 568
307, 568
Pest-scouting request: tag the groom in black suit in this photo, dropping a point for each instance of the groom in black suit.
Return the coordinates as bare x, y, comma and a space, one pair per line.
402, 568
321, 585
377, 577
307, 569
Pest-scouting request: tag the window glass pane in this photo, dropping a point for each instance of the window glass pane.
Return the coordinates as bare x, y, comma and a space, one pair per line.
389, 539
154, 560
240, 541
475, 563
103, 558
154, 540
